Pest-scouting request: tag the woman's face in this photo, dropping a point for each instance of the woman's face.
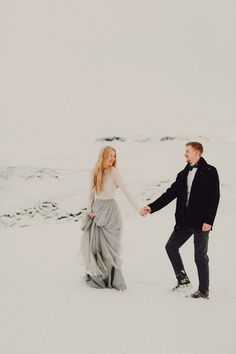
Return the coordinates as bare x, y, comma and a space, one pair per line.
111, 158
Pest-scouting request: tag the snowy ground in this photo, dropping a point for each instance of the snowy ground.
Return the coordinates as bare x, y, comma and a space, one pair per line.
45, 306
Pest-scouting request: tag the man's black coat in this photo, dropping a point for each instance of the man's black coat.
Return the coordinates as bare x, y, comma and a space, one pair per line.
203, 200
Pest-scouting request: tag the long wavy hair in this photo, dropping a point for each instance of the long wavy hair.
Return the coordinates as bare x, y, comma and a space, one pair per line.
101, 166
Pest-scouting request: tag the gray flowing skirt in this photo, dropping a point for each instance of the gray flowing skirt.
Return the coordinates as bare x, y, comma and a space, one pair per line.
101, 246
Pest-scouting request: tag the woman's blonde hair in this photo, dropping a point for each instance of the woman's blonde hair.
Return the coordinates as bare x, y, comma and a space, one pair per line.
101, 166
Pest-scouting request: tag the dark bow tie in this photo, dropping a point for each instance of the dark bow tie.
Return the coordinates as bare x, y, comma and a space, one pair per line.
190, 167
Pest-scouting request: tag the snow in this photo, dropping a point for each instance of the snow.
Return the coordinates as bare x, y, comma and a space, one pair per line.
76, 76
47, 308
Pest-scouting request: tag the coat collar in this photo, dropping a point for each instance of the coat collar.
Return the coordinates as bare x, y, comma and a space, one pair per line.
202, 164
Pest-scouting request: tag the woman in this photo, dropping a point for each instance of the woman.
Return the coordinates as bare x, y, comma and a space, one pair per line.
101, 241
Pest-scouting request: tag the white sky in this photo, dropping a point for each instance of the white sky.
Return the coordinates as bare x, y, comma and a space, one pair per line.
75, 70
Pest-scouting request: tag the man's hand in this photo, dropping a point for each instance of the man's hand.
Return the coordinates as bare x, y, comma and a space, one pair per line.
206, 227
145, 210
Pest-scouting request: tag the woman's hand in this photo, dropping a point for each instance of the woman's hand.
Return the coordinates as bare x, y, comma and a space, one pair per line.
145, 210
91, 215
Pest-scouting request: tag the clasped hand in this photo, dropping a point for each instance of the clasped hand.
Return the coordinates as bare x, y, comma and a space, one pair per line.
145, 210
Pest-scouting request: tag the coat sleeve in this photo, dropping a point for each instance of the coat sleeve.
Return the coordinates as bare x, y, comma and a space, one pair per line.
167, 197
213, 199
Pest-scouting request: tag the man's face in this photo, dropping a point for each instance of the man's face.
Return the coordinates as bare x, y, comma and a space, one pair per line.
192, 155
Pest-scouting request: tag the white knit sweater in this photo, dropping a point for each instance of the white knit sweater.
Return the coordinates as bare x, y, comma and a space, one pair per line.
111, 181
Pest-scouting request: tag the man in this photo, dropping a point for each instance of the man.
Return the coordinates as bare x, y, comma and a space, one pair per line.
197, 191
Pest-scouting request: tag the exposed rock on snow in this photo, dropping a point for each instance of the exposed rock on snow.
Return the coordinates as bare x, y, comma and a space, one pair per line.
112, 138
